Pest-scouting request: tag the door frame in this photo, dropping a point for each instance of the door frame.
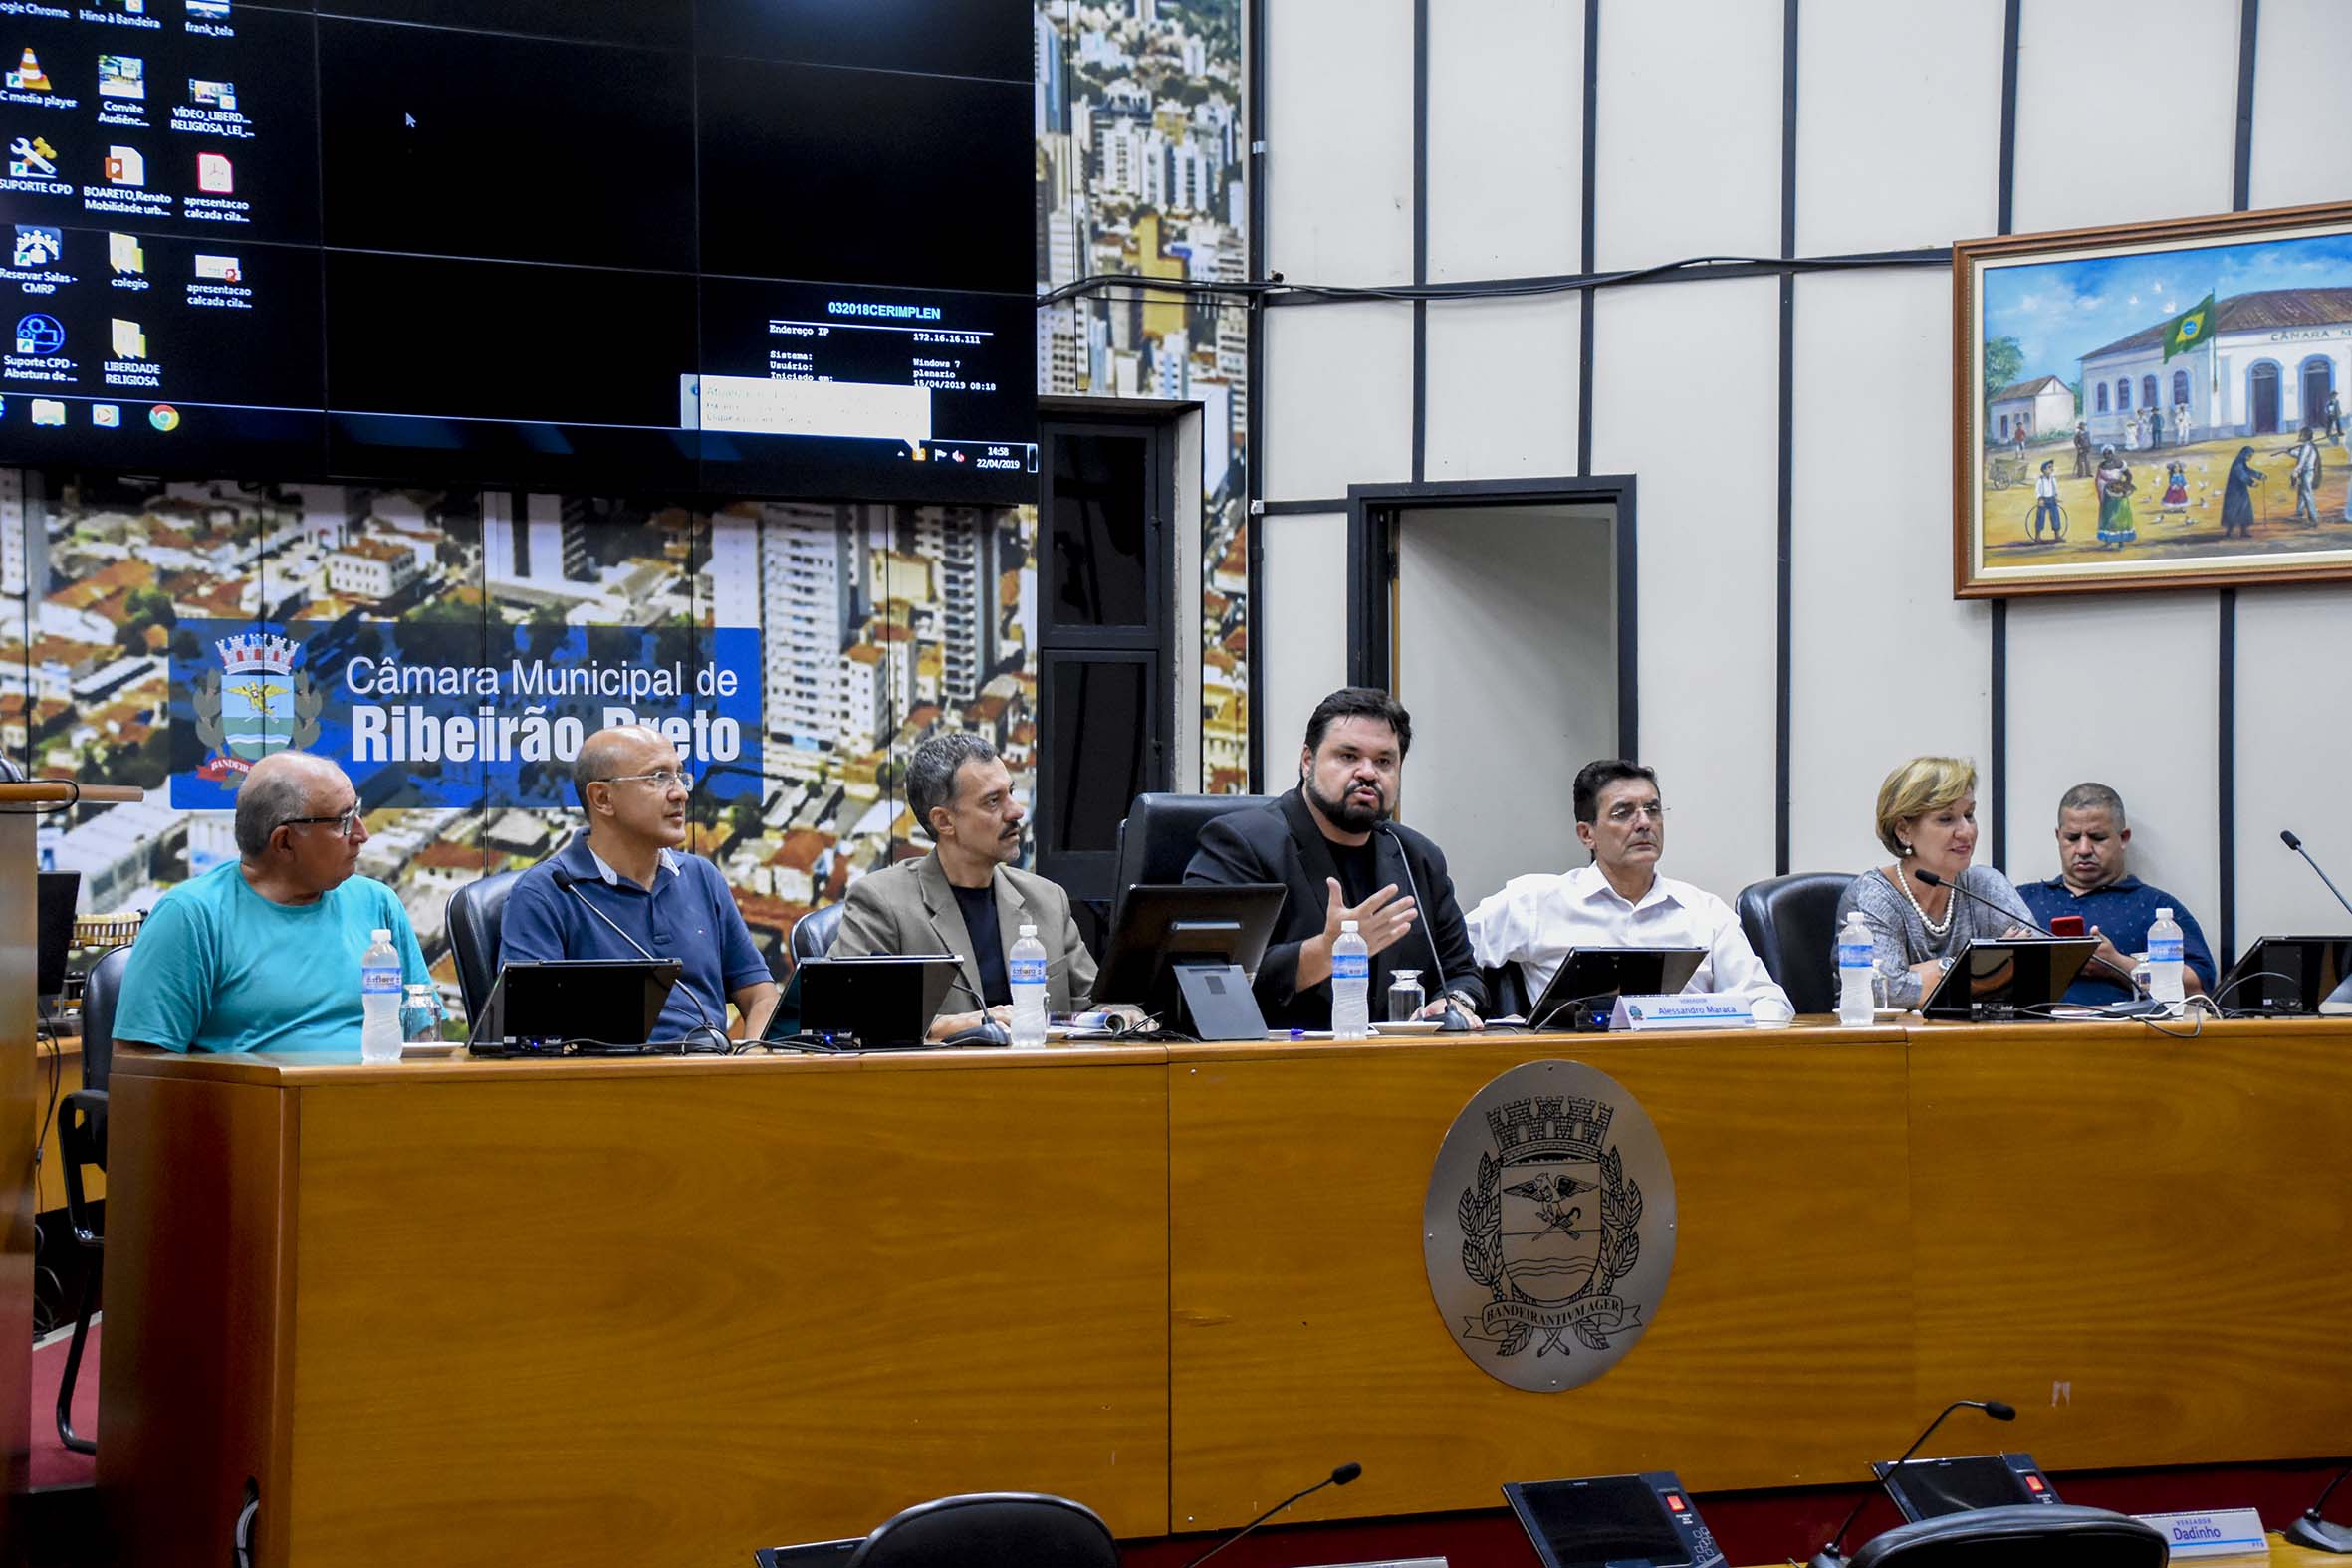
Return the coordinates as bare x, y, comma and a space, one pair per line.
1372, 511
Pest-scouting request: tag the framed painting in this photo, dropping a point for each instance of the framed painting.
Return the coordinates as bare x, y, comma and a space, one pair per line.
2150, 407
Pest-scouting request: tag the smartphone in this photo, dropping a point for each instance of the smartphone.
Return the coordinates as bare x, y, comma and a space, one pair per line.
2067, 926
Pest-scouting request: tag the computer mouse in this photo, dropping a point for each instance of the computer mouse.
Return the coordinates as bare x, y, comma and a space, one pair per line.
988, 1032
1456, 1020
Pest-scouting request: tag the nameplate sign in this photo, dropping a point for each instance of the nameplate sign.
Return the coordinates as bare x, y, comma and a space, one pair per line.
2224, 1532
1693, 1010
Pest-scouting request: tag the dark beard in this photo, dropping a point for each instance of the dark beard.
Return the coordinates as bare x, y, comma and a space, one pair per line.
1347, 817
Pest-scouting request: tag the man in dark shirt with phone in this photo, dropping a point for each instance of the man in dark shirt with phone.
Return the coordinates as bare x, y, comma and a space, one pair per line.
2093, 895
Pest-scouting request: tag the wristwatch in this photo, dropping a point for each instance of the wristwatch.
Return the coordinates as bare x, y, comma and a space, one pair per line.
1947, 961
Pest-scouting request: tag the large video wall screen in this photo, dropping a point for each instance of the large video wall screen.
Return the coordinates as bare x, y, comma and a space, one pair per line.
750, 245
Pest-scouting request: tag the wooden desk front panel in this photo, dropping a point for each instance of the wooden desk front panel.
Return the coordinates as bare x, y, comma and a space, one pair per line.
2137, 1240
1305, 1333
667, 1318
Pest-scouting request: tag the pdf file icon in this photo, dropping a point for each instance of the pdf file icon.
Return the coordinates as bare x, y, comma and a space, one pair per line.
214, 175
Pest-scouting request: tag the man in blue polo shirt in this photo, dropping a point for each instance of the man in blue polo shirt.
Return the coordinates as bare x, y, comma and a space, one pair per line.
625, 872
2116, 907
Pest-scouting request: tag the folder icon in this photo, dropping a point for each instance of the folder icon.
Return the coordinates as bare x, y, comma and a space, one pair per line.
129, 341
124, 252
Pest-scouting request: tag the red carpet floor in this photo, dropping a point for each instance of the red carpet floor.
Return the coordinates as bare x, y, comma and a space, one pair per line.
55, 1464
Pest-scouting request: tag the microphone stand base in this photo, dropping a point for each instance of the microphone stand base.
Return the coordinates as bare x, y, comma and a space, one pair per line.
2319, 1535
1825, 1558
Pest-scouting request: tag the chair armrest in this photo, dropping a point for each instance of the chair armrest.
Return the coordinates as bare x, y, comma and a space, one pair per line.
80, 1141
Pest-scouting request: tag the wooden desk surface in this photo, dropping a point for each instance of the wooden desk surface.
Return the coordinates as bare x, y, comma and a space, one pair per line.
666, 1310
2281, 1556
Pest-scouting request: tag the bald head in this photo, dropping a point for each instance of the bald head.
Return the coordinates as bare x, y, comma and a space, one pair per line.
281, 786
613, 753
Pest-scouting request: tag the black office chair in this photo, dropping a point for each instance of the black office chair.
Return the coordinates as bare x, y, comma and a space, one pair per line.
812, 933
476, 911
1160, 833
2023, 1535
81, 1141
1792, 922
991, 1530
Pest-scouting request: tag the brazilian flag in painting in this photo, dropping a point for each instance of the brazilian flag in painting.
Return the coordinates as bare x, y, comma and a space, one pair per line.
2190, 329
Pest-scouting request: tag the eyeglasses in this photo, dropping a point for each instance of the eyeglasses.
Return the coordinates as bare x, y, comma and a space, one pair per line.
1621, 814
344, 820
660, 779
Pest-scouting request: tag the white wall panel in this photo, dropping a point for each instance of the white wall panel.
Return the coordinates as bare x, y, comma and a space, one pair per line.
1886, 664
1898, 124
2303, 80
2124, 113
1339, 140
1685, 382
2293, 755
2072, 718
1505, 138
1338, 398
1303, 631
1503, 387
1688, 147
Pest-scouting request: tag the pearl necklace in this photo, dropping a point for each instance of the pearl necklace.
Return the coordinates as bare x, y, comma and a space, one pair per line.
1950, 906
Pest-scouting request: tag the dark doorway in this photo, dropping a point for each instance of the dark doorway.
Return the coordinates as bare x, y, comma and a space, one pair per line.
1106, 655
2319, 380
2266, 400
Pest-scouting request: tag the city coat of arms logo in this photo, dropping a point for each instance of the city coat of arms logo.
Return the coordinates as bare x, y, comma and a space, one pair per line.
256, 703
1550, 1226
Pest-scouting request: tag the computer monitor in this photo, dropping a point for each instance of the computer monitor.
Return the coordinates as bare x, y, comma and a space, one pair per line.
876, 1001
1614, 1521
2289, 974
558, 1006
1585, 987
1187, 951
1932, 1488
2008, 977
54, 923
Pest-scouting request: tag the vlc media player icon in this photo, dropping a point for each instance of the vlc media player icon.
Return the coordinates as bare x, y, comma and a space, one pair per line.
164, 417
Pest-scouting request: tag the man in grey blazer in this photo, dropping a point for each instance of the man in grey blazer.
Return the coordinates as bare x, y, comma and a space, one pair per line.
965, 897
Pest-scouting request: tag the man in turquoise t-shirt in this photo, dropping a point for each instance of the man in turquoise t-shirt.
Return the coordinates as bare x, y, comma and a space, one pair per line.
264, 955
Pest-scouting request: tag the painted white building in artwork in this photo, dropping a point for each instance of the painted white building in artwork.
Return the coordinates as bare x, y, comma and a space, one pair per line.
2273, 361
2043, 406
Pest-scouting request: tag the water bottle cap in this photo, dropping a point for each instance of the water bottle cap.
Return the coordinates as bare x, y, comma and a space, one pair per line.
1029, 930
2163, 912
382, 934
1347, 924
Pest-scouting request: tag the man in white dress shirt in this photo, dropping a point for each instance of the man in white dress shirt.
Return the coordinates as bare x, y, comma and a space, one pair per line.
1620, 900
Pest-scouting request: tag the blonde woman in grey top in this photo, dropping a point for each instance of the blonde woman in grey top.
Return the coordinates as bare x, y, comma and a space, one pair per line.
1927, 818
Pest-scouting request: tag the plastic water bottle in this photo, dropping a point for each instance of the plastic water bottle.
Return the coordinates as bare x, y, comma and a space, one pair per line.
2164, 959
1855, 973
1351, 986
1025, 972
379, 999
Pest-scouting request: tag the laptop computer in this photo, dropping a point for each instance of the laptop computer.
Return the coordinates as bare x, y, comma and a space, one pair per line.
1588, 981
2008, 977
876, 1002
2292, 976
575, 1007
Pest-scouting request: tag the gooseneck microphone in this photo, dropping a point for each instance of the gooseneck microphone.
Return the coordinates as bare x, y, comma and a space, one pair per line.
2311, 1530
1420, 915
1830, 1556
570, 884
2296, 844
1930, 879
1338, 1478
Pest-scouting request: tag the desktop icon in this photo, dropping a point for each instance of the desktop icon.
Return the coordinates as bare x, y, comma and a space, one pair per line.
36, 247
47, 411
127, 255
131, 339
164, 417
214, 174
38, 334
32, 158
219, 269
122, 75
212, 94
126, 166
215, 10
107, 416
28, 76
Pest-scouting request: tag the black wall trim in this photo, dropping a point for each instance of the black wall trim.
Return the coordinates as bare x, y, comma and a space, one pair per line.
1420, 236
1254, 381
1585, 261
1998, 774
2241, 174
2226, 784
2012, 23
1311, 507
1784, 579
1371, 569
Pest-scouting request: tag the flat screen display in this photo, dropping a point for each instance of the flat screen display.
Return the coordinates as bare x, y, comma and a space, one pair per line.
1931, 1488
1606, 1520
778, 248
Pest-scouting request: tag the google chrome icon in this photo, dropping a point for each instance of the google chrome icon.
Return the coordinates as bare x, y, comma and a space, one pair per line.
164, 417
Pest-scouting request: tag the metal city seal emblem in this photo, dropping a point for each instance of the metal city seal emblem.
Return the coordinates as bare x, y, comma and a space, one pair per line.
1548, 1232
